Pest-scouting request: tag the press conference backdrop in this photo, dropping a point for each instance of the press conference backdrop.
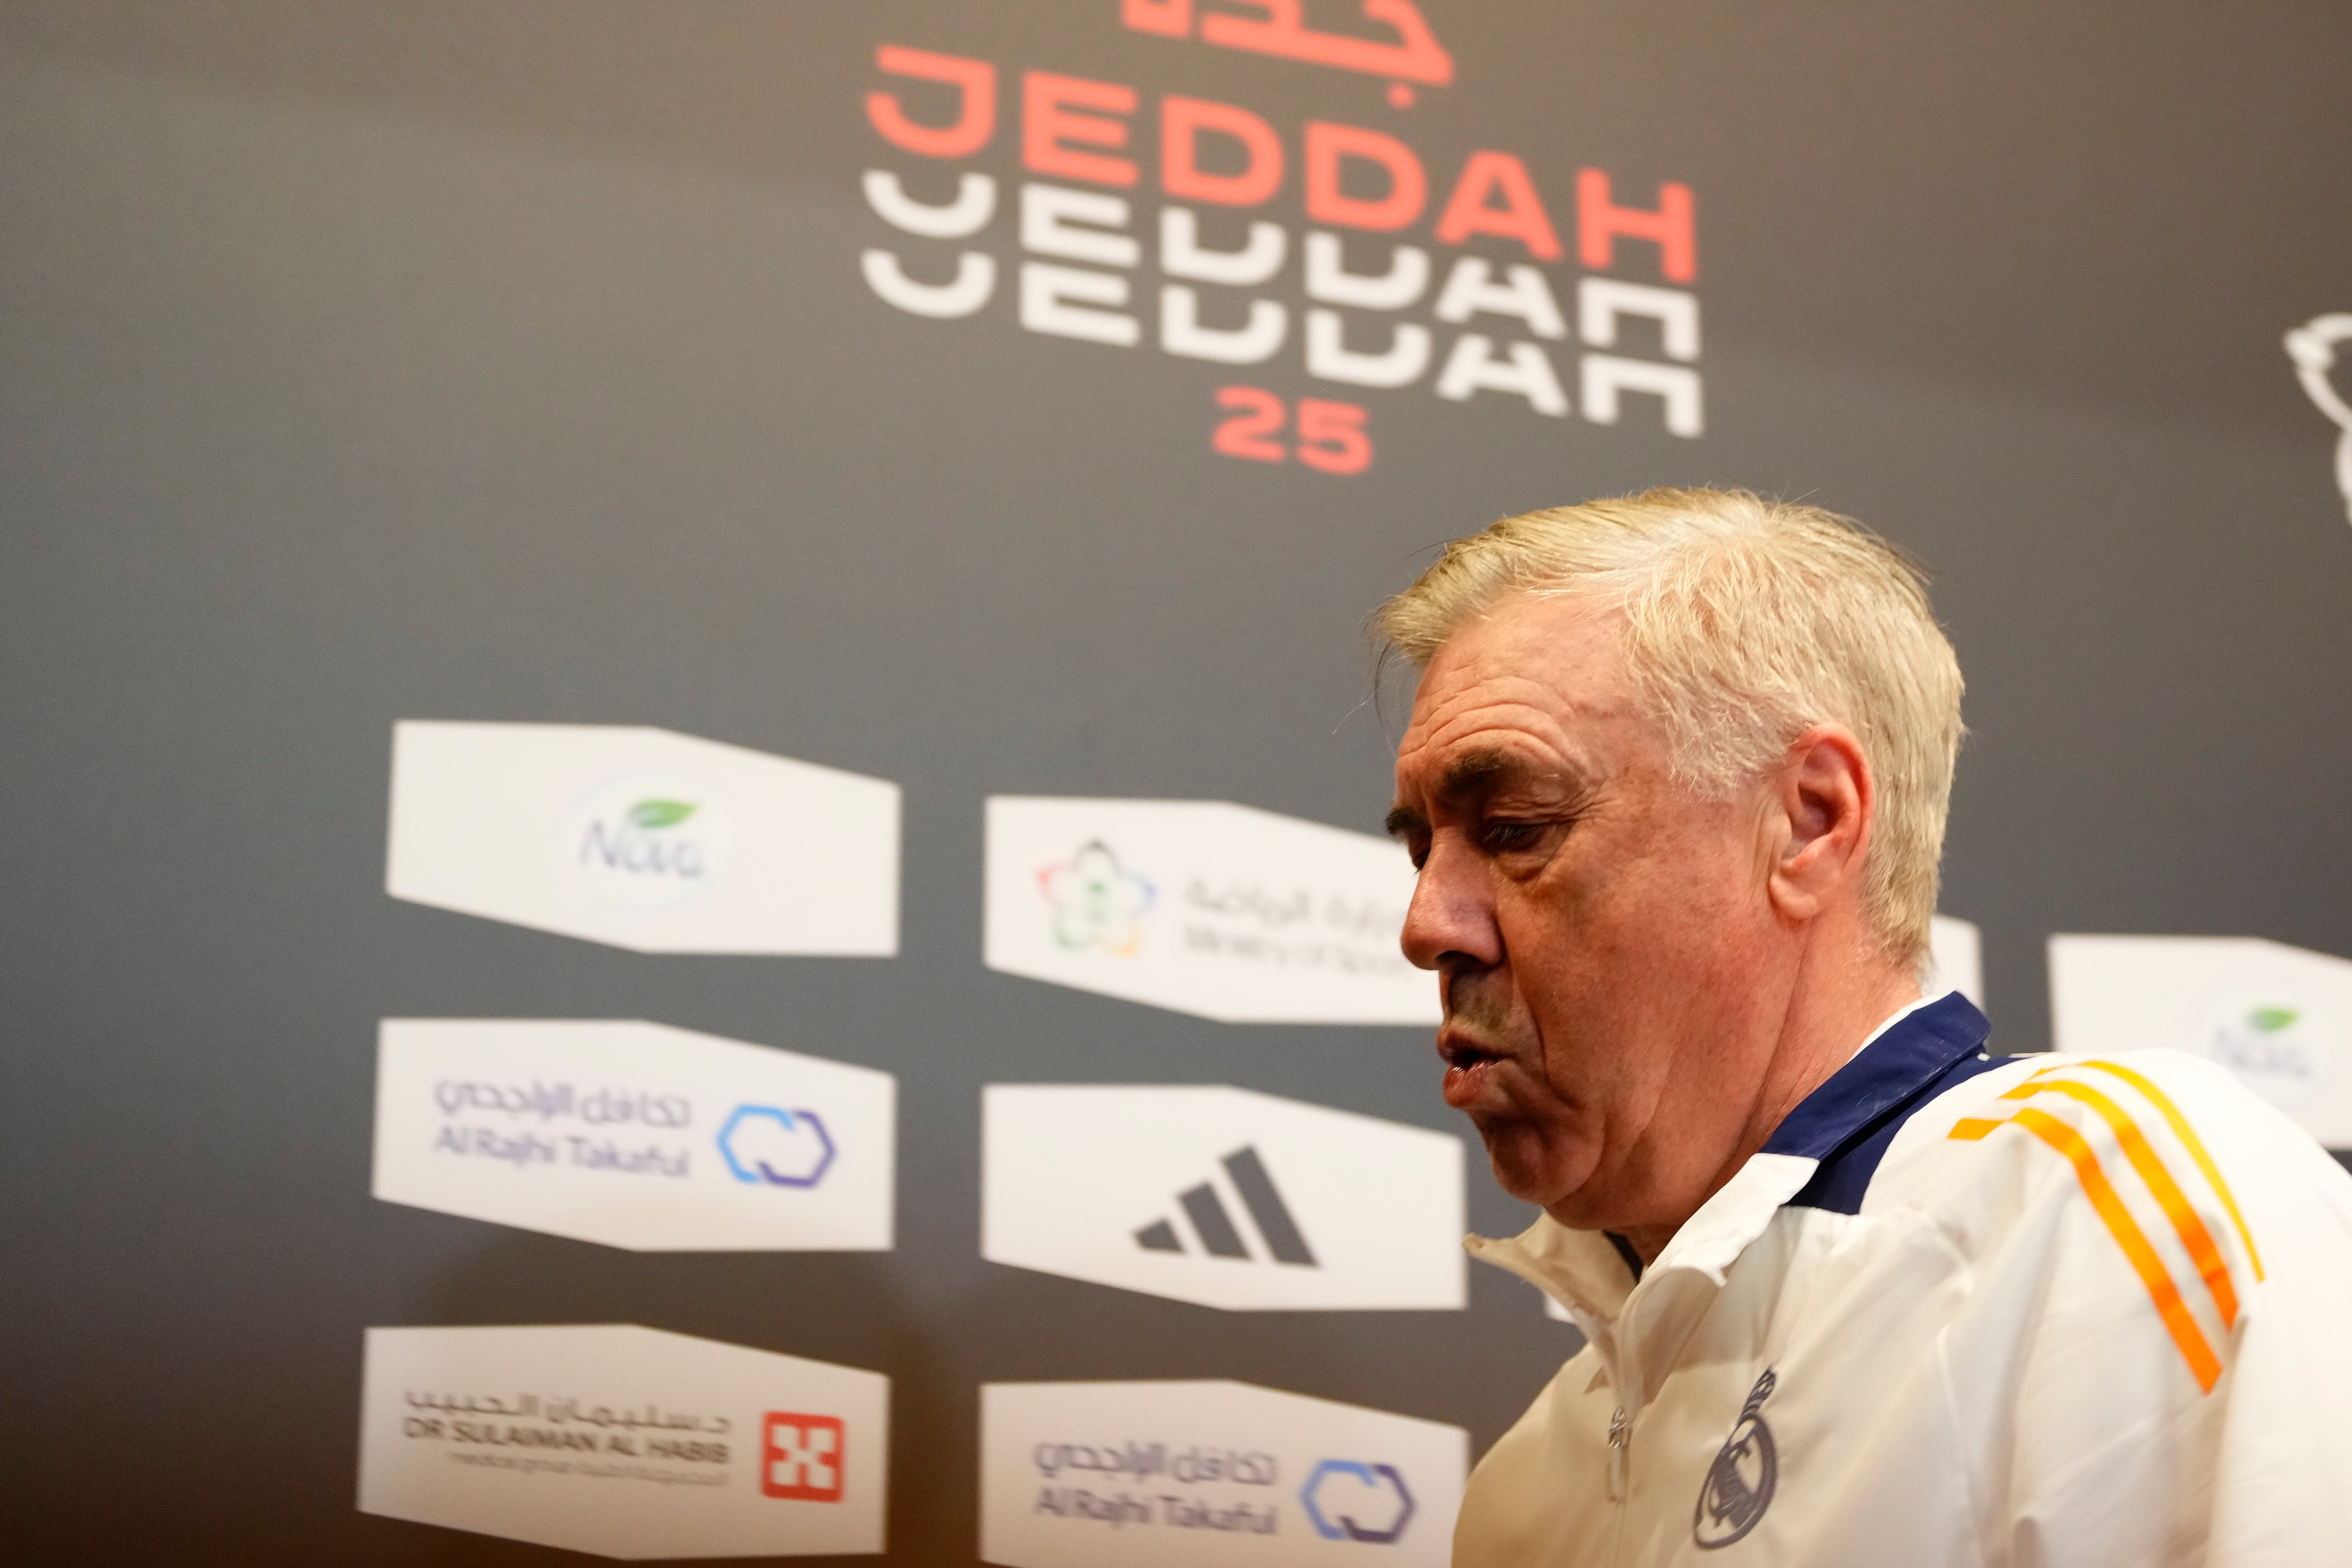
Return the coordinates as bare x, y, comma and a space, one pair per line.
692, 766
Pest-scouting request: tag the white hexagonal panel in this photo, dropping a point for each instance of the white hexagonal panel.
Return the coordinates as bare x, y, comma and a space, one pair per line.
623, 1441
1210, 1475
635, 1135
642, 838
1221, 1196
2279, 1017
1204, 907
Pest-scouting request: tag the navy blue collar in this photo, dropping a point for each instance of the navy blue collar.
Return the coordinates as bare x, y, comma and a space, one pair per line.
1912, 1056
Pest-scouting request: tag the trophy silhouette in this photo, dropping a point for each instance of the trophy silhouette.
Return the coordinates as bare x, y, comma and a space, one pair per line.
2312, 346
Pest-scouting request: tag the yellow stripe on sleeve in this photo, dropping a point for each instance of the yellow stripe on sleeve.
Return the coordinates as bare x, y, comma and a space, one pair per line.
2167, 1192
2190, 1339
2194, 1145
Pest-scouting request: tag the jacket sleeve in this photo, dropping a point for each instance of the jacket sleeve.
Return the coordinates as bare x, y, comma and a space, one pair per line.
2146, 1372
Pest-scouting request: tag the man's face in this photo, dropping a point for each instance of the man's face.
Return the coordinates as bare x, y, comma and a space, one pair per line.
1603, 941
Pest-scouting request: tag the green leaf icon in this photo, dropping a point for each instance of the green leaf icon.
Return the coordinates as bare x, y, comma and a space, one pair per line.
651, 814
2271, 1020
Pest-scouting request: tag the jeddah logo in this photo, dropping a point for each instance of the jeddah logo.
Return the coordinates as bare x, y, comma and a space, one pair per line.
1740, 1482
1213, 1224
1342, 1497
2312, 346
1098, 902
768, 1146
644, 841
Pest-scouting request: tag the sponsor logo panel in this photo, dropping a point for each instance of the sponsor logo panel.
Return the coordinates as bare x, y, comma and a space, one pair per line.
623, 1442
1169, 1474
1204, 907
642, 838
2314, 347
2275, 1016
1221, 1197
634, 1135
1955, 960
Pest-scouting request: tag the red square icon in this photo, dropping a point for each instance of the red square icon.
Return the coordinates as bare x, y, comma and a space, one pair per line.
800, 1456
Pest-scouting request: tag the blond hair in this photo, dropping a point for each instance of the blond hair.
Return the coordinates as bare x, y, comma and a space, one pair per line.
1746, 622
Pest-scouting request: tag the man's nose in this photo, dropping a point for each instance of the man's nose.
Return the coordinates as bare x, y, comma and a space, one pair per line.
1450, 924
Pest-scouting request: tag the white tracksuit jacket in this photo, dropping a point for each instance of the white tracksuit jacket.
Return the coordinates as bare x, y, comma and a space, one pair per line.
2006, 1312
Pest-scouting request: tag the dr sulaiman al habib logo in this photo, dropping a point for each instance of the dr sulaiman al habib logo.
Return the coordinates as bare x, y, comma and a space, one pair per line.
623, 1441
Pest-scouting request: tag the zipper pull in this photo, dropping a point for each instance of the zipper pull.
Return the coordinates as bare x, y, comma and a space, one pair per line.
1618, 1439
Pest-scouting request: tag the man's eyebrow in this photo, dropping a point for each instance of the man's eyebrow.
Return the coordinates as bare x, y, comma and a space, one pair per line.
1465, 778
1475, 773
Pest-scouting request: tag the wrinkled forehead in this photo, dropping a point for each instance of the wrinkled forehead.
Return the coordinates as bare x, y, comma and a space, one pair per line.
1538, 681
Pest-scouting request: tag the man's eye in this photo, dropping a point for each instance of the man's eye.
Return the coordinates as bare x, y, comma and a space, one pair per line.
1502, 837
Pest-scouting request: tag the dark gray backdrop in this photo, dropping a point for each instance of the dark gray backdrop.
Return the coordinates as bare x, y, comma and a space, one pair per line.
504, 360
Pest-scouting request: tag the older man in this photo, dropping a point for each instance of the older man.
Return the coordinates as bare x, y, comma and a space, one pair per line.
1852, 1290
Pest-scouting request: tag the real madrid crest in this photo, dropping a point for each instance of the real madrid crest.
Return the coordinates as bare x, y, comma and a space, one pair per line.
1740, 1483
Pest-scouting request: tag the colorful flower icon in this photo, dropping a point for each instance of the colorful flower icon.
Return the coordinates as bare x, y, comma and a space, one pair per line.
1098, 902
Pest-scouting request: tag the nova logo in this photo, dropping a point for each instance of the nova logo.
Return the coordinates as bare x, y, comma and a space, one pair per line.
2265, 1043
1346, 1499
1221, 1196
762, 1144
1212, 1225
1098, 902
2278, 1018
801, 1456
641, 841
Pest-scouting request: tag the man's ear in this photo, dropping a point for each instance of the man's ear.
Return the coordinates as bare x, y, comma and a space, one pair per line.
1823, 804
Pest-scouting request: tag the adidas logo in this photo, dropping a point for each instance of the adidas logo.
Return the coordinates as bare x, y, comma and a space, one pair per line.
1212, 1224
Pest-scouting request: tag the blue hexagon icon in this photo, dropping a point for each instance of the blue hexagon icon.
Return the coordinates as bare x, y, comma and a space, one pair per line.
1325, 1498
766, 1146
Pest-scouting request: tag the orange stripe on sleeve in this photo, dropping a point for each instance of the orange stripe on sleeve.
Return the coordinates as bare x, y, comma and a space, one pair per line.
2194, 1145
2186, 1335
2160, 1185
2202, 1363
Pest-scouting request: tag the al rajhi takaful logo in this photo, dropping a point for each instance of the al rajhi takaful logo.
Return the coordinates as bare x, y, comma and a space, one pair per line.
2312, 346
645, 841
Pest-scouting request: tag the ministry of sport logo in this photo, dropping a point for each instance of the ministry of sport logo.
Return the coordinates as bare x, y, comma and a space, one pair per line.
1097, 902
1348, 1499
645, 840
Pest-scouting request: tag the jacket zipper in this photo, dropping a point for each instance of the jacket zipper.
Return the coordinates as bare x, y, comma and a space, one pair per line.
1619, 1439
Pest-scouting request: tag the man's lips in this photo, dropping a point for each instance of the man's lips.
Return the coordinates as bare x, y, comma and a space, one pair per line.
1470, 1066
